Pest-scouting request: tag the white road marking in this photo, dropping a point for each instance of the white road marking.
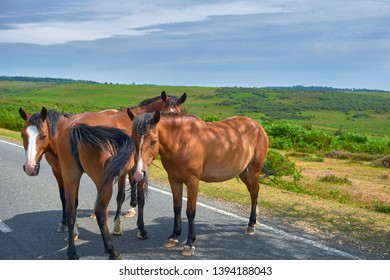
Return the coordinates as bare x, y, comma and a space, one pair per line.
12, 144
269, 228
4, 228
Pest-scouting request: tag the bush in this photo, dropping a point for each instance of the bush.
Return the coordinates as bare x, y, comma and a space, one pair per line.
210, 118
11, 122
333, 179
289, 136
278, 165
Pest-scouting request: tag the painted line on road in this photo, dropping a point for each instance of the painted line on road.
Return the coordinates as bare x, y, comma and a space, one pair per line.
12, 144
4, 228
269, 228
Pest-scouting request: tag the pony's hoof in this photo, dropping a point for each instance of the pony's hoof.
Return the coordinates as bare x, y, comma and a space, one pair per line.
250, 231
93, 216
171, 243
117, 233
188, 251
130, 213
115, 257
62, 228
75, 257
142, 235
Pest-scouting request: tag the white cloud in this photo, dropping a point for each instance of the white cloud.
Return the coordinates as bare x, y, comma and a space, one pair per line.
105, 19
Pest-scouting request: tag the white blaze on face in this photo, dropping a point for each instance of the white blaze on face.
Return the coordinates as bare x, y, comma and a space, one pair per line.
139, 175
32, 132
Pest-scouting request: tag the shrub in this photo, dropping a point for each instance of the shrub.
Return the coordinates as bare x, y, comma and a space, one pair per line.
333, 179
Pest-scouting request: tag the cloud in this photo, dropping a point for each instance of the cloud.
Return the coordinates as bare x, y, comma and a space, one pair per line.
86, 21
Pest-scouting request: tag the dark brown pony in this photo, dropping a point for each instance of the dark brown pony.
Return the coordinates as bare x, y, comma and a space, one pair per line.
77, 146
87, 149
193, 150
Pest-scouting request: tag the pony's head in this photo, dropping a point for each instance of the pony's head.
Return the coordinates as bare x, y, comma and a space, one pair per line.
145, 136
172, 103
163, 103
36, 139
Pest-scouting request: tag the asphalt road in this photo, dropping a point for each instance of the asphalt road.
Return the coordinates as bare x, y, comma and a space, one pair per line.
30, 214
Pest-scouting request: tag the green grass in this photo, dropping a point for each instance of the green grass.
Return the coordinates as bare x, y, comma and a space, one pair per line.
363, 112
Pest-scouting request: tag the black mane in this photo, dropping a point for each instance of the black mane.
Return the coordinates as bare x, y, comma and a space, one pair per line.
52, 121
143, 123
149, 101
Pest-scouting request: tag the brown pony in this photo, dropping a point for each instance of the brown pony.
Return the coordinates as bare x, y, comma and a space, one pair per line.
87, 149
77, 145
193, 150
40, 134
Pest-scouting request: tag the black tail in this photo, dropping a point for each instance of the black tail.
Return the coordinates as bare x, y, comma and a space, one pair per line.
109, 139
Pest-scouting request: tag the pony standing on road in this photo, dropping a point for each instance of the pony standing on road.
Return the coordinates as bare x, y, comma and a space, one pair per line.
40, 134
80, 151
193, 150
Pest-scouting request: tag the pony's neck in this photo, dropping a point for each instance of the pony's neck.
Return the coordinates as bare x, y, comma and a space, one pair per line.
53, 138
148, 108
169, 133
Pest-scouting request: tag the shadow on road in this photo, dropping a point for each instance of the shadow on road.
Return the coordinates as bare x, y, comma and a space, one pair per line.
34, 236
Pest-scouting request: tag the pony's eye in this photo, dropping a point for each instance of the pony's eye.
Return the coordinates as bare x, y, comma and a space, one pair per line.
154, 142
43, 136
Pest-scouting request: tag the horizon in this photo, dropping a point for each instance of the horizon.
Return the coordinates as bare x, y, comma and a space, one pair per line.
308, 87
340, 44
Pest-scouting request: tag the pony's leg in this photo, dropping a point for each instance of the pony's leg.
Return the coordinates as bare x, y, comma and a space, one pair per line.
62, 227
101, 211
142, 233
119, 201
133, 197
71, 191
177, 192
251, 180
192, 196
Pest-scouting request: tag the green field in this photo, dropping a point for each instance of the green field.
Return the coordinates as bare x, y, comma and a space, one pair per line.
351, 111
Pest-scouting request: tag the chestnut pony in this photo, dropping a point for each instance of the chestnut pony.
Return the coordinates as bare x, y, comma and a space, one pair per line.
193, 150
80, 151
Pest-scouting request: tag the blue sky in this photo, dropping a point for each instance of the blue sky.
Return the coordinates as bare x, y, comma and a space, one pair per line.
339, 43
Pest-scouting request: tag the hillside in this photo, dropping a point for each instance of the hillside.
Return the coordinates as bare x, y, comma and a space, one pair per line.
347, 110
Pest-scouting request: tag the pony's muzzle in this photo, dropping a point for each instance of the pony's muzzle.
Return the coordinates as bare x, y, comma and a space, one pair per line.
139, 175
31, 170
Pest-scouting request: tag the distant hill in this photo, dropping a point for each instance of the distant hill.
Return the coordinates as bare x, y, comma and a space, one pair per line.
45, 80
320, 88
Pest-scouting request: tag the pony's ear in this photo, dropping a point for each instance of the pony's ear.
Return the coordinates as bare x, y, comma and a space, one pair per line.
164, 96
43, 113
182, 98
156, 117
131, 115
23, 114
